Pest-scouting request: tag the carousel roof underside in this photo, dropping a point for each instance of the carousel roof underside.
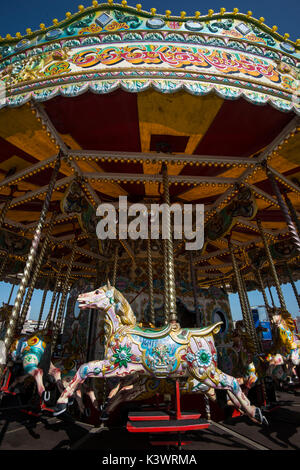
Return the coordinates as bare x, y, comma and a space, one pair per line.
115, 144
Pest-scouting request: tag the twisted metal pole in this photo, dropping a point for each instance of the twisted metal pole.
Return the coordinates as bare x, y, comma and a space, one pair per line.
11, 293
194, 284
272, 298
240, 289
271, 264
150, 282
292, 212
4, 210
292, 283
57, 283
36, 273
30, 260
262, 289
3, 266
292, 229
169, 250
63, 298
115, 266
43, 304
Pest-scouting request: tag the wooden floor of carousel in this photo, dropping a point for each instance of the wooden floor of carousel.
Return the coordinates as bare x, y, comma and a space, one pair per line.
23, 431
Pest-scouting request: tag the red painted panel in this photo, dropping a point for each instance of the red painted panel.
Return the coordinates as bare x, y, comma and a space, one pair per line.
241, 128
98, 122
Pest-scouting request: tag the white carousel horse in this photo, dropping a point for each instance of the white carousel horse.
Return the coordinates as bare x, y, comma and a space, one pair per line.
168, 352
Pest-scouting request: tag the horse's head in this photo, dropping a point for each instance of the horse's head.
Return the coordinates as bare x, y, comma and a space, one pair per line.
100, 298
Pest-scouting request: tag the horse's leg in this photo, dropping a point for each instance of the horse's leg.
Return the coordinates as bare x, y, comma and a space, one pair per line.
89, 369
226, 382
55, 372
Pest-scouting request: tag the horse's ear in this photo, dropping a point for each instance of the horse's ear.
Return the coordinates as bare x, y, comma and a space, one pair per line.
108, 284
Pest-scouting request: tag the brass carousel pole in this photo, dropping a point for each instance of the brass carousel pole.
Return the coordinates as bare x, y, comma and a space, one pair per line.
3, 266
194, 284
292, 212
272, 266
115, 266
43, 304
170, 272
262, 289
11, 293
292, 229
35, 274
62, 304
241, 295
292, 283
150, 282
30, 260
271, 295
57, 283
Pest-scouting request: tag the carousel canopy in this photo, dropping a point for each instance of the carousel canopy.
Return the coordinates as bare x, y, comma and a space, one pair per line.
121, 91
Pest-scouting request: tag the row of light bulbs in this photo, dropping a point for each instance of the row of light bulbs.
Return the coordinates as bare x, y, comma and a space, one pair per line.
153, 11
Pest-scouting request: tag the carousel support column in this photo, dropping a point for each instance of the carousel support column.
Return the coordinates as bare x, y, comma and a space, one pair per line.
292, 212
43, 304
35, 274
254, 336
11, 293
272, 266
9, 336
115, 267
3, 266
262, 289
166, 283
169, 250
150, 282
63, 298
240, 289
272, 298
57, 283
292, 229
292, 284
194, 284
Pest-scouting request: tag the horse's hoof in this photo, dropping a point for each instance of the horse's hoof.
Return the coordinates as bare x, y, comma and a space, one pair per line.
59, 409
260, 418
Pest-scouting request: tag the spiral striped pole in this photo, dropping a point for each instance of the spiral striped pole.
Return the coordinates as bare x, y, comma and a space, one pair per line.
292, 284
292, 229
115, 266
43, 304
271, 264
30, 260
150, 282
292, 212
170, 272
35, 274
194, 284
262, 289
63, 299
57, 283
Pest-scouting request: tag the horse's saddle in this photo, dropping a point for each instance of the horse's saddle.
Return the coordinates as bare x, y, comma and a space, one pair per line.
180, 335
153, 333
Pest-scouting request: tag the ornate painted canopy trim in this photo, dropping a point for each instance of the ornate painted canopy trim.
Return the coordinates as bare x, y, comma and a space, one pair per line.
162, 85
106, 47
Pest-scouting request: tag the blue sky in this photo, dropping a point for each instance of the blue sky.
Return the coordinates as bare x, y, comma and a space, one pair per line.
255, 298
18, 15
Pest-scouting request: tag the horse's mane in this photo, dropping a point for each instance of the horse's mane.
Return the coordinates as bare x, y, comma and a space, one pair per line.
125, 311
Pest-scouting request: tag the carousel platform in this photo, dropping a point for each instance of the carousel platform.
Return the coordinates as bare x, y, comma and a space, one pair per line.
24, 432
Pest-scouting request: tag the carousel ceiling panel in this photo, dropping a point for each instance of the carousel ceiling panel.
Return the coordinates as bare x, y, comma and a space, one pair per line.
201, 192
111, 189
20, 127
98, 122
241, 129
291, 149
178, 114
23, 216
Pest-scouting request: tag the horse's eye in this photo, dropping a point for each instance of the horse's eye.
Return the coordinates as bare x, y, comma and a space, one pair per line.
97, 292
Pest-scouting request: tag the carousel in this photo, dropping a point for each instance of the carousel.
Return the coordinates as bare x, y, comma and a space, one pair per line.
115, 101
